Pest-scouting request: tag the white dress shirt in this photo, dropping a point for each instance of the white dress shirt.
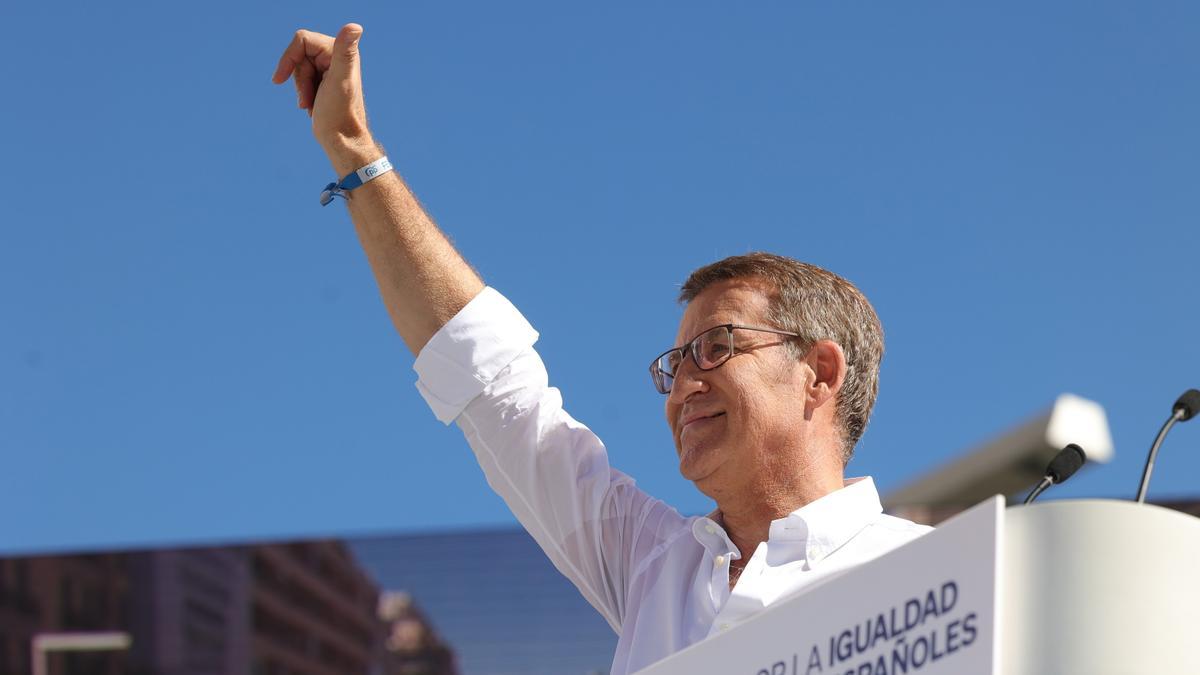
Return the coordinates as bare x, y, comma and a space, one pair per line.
659, 578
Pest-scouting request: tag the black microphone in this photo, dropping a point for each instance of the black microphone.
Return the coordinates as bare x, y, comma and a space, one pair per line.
1063, 466
1187, 405
1184, 409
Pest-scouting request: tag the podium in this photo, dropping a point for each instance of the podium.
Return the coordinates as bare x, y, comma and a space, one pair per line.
1099, 586
1088, 587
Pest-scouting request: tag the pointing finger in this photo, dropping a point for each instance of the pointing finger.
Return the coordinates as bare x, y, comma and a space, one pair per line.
305, 46
289, 59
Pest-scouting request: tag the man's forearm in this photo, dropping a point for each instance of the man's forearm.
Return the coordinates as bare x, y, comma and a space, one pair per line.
423, 280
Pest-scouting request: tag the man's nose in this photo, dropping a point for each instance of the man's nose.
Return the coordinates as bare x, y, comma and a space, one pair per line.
688, 380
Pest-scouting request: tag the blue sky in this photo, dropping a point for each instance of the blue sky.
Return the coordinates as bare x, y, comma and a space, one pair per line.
192, 350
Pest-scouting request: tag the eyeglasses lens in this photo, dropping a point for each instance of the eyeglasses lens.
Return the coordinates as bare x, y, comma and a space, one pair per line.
710, 350
664, 371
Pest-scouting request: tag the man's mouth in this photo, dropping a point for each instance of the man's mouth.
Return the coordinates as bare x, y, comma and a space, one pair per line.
697, 419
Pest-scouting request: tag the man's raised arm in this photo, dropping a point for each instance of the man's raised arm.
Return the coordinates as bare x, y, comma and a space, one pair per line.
422, 278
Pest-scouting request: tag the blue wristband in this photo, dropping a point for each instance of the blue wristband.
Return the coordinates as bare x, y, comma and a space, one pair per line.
355, 179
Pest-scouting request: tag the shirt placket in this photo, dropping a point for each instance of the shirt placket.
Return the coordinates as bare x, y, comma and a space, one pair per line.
719, 551
746, 598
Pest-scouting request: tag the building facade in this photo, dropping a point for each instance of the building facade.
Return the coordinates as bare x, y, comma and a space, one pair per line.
62, 594
297, 608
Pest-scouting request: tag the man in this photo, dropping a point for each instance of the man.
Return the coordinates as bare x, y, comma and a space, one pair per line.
767, 391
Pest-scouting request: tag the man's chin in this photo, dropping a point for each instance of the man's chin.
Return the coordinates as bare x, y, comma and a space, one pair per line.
696, 464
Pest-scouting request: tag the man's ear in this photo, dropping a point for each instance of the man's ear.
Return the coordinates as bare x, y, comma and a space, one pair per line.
828, 364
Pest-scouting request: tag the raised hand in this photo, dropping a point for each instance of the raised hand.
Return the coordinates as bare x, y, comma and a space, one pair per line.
328, 77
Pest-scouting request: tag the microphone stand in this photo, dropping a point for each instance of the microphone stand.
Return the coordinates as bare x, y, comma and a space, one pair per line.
1176, 415
1038, 489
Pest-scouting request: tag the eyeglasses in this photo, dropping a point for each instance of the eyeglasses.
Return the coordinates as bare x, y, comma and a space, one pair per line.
709, 350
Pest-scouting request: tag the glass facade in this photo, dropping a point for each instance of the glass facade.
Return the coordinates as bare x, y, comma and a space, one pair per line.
496, 599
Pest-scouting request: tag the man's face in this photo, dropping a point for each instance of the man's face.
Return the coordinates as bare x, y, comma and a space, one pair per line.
736, 426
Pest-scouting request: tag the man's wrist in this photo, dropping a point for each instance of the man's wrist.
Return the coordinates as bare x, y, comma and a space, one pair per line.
349, 155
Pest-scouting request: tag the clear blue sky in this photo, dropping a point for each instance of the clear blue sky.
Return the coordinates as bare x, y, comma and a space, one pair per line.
192, 350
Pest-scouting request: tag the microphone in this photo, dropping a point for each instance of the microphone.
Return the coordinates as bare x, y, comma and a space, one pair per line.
1063, 466
1184, 409
1188, 405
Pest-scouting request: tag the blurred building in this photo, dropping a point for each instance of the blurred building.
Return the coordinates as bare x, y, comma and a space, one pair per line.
188, 611
497, 599
300, 608
59, 594
313, 611
411, 647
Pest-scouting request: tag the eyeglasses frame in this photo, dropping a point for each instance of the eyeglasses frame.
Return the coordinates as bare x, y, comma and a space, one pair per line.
690, 349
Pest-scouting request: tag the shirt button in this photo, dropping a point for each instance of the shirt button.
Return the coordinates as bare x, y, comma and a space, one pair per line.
719, 560
710, 528
724, 626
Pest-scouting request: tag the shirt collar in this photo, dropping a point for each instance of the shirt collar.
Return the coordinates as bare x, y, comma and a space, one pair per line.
708, 531
823, 526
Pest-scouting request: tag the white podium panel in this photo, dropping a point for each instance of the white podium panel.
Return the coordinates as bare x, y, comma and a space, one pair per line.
928, 608
1100, 587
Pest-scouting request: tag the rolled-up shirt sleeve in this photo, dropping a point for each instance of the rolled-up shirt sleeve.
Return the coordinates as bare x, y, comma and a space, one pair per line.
467, 353
481, 372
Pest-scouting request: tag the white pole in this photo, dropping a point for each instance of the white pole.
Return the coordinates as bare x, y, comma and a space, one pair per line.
44, 643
